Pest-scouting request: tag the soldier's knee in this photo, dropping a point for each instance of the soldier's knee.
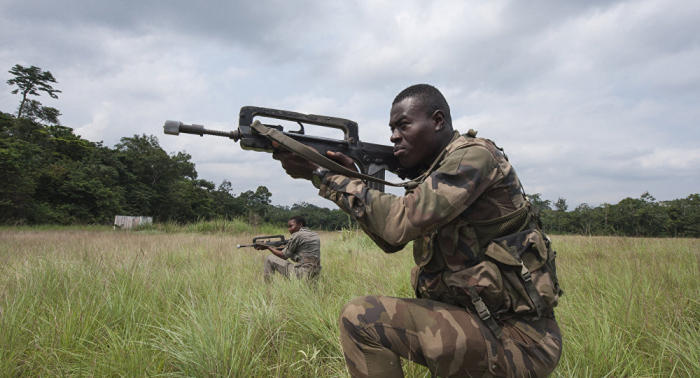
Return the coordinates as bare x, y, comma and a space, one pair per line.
357, 314
354, 311
350, 320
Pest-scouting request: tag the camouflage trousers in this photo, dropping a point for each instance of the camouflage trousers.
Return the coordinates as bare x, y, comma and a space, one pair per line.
375, 331
274, 264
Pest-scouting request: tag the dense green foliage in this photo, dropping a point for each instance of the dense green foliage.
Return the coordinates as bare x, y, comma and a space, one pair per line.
644, 216
49, 175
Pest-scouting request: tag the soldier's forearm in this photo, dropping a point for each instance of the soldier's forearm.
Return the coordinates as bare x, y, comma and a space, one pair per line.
277, 252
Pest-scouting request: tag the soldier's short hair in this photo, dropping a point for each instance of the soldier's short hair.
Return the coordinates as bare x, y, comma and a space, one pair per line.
298, 219
430, 99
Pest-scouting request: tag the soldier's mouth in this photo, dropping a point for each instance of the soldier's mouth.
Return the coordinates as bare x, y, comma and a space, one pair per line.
398, 151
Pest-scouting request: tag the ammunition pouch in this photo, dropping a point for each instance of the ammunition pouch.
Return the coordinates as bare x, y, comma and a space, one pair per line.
500, 276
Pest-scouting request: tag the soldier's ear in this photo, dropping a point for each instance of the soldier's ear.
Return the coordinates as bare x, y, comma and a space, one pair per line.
439, 118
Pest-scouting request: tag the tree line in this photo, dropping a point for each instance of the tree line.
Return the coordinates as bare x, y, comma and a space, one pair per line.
50, 175
638, 217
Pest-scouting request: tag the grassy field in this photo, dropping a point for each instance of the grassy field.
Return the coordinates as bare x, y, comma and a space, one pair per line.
174, 301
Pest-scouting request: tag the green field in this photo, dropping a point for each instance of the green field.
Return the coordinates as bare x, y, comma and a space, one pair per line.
182, 302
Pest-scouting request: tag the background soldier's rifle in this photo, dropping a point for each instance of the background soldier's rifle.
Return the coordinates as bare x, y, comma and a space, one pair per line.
272, 241
372, 159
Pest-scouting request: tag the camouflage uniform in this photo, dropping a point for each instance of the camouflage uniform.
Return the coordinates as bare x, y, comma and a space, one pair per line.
304, 251
473, 182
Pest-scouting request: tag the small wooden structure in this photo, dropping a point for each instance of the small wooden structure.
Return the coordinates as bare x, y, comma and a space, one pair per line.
125, 221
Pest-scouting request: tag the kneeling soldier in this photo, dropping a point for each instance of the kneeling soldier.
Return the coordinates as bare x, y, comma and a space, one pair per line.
485, 278
303, 249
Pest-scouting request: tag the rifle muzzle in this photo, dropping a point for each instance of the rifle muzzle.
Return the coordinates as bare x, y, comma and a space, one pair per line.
177, 127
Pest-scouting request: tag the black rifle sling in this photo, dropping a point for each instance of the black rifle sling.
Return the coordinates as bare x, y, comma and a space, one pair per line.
309, 154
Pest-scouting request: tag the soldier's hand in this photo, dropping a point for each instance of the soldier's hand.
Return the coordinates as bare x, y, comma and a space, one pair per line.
343, 160
298, 167
295, 165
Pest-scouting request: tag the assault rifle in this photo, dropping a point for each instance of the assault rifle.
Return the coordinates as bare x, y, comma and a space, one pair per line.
267, 240
372, 159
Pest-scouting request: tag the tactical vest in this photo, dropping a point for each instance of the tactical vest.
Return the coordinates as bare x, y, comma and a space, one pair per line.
511, 273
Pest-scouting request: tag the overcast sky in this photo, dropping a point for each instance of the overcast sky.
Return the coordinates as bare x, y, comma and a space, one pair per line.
593, 101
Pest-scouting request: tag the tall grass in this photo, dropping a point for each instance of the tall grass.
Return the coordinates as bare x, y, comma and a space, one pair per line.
178, 301
631, 308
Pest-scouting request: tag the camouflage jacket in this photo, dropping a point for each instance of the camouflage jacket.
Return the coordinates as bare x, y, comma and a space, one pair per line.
304, 244
473, 182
